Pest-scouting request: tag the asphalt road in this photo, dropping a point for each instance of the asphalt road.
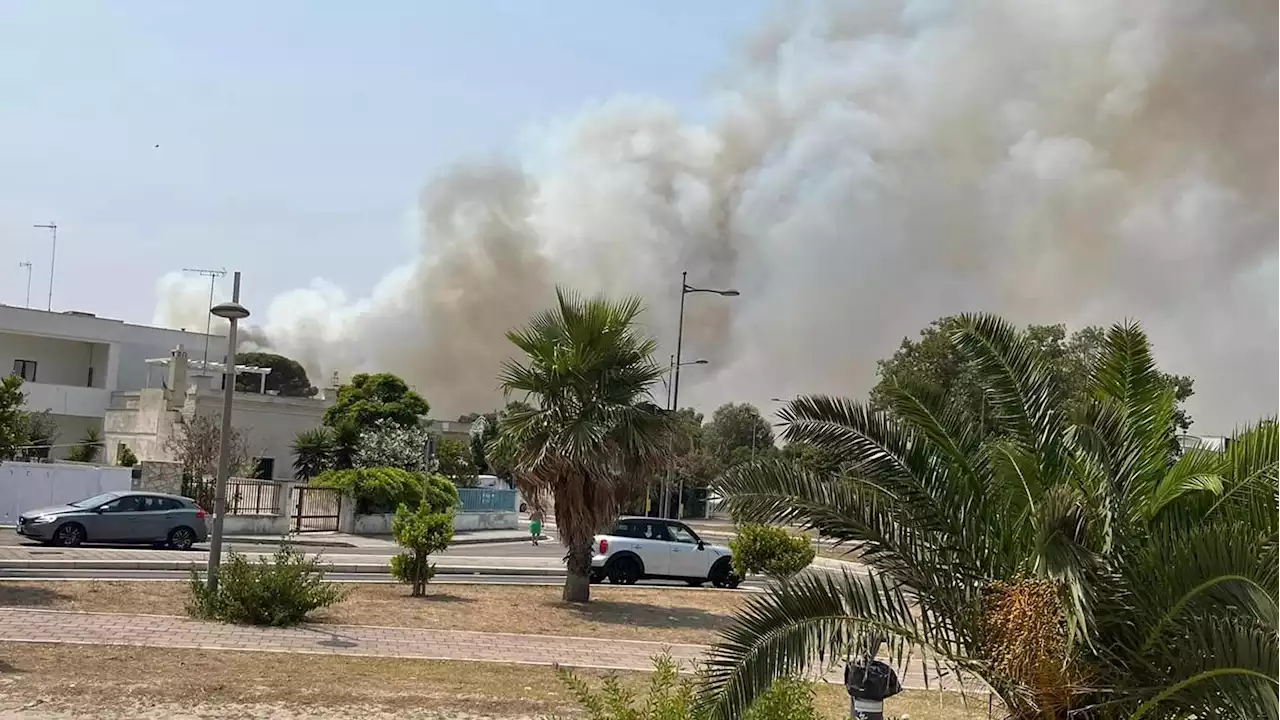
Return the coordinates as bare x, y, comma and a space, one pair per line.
442, 578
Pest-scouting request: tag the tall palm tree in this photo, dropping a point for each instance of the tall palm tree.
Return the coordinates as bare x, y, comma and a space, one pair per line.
1066, 561
591, 431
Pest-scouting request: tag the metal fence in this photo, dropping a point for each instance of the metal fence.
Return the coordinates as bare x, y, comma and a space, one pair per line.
249, 497
486, 500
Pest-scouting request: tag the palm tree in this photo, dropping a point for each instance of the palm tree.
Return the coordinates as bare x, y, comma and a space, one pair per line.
313, 452
1066, 560
591, 433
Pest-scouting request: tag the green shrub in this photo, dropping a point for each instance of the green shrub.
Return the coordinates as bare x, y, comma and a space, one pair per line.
375, 490
427, 530
670, 697
126, 458
769, 550
278, 592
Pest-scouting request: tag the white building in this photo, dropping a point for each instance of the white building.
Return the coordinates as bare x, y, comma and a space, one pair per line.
148, 420
72, 362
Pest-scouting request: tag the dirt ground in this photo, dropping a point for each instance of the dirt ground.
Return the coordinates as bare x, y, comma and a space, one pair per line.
60, 682
661, 615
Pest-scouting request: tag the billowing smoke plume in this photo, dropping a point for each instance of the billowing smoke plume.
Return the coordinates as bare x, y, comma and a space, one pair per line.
873, 166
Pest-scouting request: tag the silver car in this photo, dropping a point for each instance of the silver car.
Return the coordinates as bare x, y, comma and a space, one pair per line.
119, 517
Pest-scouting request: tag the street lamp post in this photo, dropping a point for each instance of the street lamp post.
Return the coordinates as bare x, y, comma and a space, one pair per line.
685, 289
234, 312
666, 481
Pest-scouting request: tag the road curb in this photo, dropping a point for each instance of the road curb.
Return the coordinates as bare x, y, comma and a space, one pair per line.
201, 564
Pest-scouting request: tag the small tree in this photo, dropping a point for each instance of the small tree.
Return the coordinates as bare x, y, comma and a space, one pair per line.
453, 460
427, 530
89, 447
195, 447
42, 433
13, 421
769, 550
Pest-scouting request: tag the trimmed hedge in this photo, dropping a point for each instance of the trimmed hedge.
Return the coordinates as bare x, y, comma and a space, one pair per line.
383, 489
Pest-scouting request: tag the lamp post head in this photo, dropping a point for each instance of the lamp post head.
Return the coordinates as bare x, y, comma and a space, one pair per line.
230, 311
730, 293
700, 361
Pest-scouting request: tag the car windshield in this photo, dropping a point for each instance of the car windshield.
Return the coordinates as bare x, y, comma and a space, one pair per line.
94, 501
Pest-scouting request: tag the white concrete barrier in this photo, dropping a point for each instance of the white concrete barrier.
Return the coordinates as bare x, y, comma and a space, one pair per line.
28, 486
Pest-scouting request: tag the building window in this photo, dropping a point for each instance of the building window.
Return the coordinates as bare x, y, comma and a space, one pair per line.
264, 468
25, 369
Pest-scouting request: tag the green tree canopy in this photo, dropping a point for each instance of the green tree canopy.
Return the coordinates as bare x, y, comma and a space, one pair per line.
288, 378
735, 430
371, 397
934, 362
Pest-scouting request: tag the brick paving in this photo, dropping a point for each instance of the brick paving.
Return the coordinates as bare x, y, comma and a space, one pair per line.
81, 628
21, 625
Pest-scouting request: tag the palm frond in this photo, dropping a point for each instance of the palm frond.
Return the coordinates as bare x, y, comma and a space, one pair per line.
816, 618
1020, 388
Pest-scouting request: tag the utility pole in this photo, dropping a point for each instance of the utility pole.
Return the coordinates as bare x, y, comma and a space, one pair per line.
52, 227
28, 266
213, 276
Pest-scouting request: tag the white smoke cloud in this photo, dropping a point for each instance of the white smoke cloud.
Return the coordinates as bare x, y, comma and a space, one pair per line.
873, 166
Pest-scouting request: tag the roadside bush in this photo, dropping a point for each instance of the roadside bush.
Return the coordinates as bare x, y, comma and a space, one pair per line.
769, 550
670, 697
277, 592
376, 490
429, 529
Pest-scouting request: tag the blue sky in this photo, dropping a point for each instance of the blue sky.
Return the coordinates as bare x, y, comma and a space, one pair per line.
294, 136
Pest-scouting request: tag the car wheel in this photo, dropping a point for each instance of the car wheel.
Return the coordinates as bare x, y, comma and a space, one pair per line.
69, 535
624, 571
722, 576
181, 538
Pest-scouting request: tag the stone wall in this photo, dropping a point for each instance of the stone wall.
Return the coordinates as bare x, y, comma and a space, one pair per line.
158, 476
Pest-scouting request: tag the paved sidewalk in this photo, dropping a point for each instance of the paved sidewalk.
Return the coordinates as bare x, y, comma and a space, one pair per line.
79, 628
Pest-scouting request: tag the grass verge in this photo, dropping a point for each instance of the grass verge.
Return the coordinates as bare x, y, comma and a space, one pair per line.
110, 683
661, 615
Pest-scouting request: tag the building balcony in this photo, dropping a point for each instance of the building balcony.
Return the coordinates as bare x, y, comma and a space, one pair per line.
66, 399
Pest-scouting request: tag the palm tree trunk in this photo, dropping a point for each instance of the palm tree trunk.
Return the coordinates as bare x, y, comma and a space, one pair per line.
577, 582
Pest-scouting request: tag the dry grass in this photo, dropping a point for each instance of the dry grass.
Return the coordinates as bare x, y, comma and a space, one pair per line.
61, 681
660, 615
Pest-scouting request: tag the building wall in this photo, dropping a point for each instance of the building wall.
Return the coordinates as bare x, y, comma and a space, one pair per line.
58, 362
268, 423
65, 346
145, 422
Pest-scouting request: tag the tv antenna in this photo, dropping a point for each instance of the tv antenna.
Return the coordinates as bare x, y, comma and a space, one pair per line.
52, 227
213, 276
27, 265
